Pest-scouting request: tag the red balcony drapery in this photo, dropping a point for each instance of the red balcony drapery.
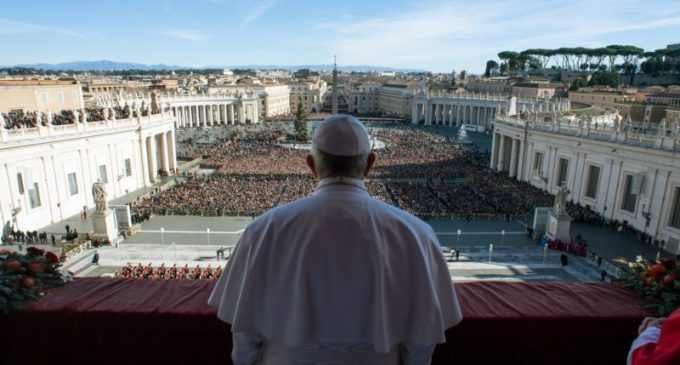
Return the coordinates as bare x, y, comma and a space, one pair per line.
108, 321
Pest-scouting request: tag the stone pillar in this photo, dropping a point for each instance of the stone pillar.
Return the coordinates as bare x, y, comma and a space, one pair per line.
231, 114
165, 163
153, 159
242, 114
494, 151
513, 158
459, 117
428, 114
520, 159
145, 161
501, 153
172, 150
209, 114
449, 114
203, 120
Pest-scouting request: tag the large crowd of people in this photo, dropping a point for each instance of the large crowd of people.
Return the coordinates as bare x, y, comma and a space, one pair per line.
419, 171
173, 272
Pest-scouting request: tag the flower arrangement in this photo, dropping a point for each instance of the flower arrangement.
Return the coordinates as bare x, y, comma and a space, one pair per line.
26, 277
658, 283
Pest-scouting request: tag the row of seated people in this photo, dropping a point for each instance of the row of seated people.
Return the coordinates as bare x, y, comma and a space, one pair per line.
168, 273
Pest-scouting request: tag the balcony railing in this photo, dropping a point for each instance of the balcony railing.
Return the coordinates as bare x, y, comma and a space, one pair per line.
18, 135
633, 134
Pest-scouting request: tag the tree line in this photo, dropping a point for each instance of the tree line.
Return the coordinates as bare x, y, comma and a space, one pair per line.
613, 58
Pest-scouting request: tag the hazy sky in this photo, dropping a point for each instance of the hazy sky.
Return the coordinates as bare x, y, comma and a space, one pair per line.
428, 34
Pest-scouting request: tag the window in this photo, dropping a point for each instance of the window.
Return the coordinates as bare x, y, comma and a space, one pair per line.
20, 183
102, 174
629, 195
562, 171
72, 183
538, 164
675, 212
34, 196
593, 181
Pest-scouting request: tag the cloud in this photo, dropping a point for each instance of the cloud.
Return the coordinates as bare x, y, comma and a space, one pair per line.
12, 28
442, 34
186, 34
260, 9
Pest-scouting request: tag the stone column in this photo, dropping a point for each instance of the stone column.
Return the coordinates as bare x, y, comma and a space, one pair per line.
204, 116
242, 114
513, 158
494, 151
209, 114
172, 150
143, 146
428, 114
449, 114
165, 164
153, 159
501, 153
231, 114
520, 160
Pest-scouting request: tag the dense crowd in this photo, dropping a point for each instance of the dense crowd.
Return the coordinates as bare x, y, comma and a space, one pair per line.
421, 172
168, 273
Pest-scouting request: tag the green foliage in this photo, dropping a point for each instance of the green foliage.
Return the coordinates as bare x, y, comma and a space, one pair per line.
658, 283
605, 78
491, 68
26, 277
577, 58
301, 133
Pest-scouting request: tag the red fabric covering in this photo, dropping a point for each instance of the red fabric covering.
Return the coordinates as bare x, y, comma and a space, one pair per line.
106, 321
667, 350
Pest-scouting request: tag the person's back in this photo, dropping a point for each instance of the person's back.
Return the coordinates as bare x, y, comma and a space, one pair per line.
336, 277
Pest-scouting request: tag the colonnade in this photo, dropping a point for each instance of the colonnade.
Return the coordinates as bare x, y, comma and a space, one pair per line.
507, 154
211, 114
454, 114
159, 154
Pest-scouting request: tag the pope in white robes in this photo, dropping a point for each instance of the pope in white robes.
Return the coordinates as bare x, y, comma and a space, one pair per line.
337, 277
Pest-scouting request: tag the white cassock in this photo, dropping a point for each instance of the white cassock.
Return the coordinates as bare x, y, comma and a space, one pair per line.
337, 277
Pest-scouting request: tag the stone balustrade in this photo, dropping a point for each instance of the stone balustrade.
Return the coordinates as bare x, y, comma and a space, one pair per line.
634, 134
19, 135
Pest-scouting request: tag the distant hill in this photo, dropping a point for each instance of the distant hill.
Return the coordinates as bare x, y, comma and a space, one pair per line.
105, 65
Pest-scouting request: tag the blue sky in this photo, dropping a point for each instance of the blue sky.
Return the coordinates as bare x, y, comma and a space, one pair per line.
428, 34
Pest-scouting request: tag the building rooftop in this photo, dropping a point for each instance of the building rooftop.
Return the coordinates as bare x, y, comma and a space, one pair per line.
37, 82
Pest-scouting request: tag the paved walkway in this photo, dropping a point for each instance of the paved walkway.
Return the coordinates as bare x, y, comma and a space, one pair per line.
86, 226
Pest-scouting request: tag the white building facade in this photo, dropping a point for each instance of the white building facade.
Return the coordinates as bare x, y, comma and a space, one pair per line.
47, 172
454, 109
623, 174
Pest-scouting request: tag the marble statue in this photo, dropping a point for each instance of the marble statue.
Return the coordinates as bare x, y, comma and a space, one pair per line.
560, 205
155, 105
7, 229
99, 196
